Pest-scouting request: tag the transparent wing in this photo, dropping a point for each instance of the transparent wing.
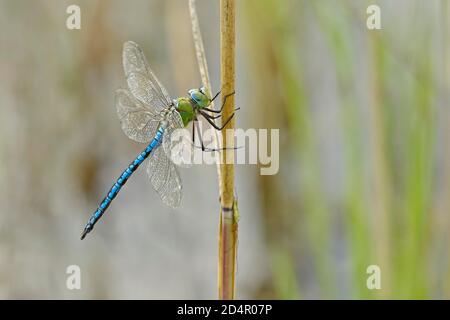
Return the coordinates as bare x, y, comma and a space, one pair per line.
138, 121
142, 83
175, 142
165, 178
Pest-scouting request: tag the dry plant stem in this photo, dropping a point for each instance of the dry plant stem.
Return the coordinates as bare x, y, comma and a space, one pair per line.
229, 213
203, 68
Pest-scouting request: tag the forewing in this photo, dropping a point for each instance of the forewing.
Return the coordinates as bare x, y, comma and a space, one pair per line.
165, 178
138, 121
142, 83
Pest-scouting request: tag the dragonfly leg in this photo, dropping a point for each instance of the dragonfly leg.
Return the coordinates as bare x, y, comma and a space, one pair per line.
214, 111
207, 117
206, 149
216, 95
225, 100
195, 128
215, 117
223, 104
193, 131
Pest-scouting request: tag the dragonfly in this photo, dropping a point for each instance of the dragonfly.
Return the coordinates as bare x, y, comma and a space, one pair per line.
149, 115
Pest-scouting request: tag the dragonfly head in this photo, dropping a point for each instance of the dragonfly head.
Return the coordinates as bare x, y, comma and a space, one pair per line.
201, 96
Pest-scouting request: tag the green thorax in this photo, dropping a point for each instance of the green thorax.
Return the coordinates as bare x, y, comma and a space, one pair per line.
185, 109
188, 107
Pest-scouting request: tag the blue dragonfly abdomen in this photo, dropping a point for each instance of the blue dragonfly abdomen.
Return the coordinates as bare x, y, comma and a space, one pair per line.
104, 204
148, 115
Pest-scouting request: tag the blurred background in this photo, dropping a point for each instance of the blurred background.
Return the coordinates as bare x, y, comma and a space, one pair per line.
364, 174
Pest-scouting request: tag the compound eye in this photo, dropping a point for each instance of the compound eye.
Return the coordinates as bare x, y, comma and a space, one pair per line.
195, 95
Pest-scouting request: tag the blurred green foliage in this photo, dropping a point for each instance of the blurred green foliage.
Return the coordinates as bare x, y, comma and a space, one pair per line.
390, 205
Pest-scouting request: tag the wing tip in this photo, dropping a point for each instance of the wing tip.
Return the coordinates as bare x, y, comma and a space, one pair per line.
130, 43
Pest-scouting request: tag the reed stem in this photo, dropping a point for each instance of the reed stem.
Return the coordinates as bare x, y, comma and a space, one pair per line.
228, 225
